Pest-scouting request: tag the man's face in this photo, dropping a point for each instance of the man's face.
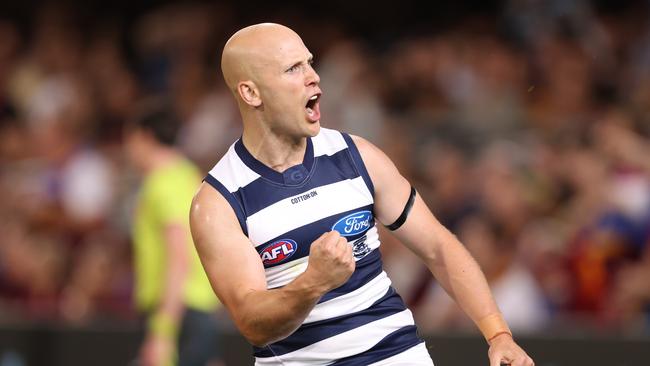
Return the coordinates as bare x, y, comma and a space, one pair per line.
289, 88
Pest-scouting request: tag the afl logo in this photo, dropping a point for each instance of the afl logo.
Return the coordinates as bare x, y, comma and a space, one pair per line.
354, 223
278, 251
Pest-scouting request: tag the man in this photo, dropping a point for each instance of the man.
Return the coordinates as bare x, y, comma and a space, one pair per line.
171, 288
285, 226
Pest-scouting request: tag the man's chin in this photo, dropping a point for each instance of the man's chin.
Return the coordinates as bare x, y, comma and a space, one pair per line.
313, 129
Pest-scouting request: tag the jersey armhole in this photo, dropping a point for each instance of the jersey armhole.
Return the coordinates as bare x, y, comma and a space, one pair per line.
236, 206
358, 162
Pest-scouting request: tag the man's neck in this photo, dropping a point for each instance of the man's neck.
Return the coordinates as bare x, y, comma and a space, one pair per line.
277, 152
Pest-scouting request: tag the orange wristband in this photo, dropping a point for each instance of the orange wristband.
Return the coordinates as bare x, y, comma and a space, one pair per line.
492, 326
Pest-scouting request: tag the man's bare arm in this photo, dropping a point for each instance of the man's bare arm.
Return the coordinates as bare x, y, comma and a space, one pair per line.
444, 255
237, 275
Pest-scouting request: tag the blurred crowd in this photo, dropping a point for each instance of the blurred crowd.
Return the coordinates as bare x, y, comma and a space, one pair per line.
527, 133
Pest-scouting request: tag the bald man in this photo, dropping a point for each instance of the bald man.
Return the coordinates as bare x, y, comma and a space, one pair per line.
285, 225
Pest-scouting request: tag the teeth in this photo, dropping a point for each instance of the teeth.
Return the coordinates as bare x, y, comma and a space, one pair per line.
314, 97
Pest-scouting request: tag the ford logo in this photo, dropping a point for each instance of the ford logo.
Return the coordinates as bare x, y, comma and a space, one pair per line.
353, 224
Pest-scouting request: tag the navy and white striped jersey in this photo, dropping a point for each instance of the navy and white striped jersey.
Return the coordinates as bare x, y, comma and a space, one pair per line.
360, 323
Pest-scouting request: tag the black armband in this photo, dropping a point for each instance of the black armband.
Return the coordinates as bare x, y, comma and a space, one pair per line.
405, 213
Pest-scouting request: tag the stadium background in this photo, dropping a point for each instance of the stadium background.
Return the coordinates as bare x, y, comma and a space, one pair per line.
524, 124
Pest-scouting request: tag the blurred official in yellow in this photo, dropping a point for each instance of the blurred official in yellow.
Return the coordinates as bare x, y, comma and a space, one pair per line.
172, 291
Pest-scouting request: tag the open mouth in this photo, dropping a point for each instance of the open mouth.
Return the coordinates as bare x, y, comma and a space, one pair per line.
311, 103
312, 107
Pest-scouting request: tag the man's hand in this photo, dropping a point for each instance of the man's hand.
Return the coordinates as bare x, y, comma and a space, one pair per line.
504, 351
331, 262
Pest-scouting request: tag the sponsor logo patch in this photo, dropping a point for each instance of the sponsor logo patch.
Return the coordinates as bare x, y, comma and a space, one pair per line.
354, 223
304, 197
278, 251
359, 248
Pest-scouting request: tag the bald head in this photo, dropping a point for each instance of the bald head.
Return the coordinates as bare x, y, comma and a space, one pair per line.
251, 49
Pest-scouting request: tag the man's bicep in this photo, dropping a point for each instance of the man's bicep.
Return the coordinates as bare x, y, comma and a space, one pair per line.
391, 188
392, 192
228, 257
422, 233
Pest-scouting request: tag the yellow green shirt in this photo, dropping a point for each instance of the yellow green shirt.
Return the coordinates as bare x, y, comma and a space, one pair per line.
165, 197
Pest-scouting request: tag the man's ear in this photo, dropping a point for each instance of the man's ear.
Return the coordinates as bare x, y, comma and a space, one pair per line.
249, 93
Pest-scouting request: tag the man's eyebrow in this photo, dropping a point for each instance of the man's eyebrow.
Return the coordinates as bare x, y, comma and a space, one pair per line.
297, 63
310, 60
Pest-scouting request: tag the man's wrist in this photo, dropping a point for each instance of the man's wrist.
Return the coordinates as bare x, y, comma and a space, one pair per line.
310, 287
499, 335
493, 326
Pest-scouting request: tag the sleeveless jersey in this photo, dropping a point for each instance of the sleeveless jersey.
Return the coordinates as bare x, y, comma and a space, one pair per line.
361, 322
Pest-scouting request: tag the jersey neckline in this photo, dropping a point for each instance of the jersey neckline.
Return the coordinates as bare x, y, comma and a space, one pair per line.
292, 176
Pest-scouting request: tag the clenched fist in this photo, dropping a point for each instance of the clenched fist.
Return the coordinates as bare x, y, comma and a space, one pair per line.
331, 262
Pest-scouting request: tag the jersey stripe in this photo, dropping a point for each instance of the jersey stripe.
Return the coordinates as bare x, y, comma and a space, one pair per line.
367, 269
284, 273
345, 344
232, 172
314, 230
271, 221
328, 143
387, 305
329, 169
371, 292
394, 343
358, 162
417, 355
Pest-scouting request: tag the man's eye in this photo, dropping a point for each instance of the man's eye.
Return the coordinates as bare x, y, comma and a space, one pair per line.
293, 68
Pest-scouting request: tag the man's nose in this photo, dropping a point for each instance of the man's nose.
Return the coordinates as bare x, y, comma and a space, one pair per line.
311, 76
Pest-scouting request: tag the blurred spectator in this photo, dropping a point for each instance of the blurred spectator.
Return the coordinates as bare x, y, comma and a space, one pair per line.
177, 59
349, 77
526, 129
